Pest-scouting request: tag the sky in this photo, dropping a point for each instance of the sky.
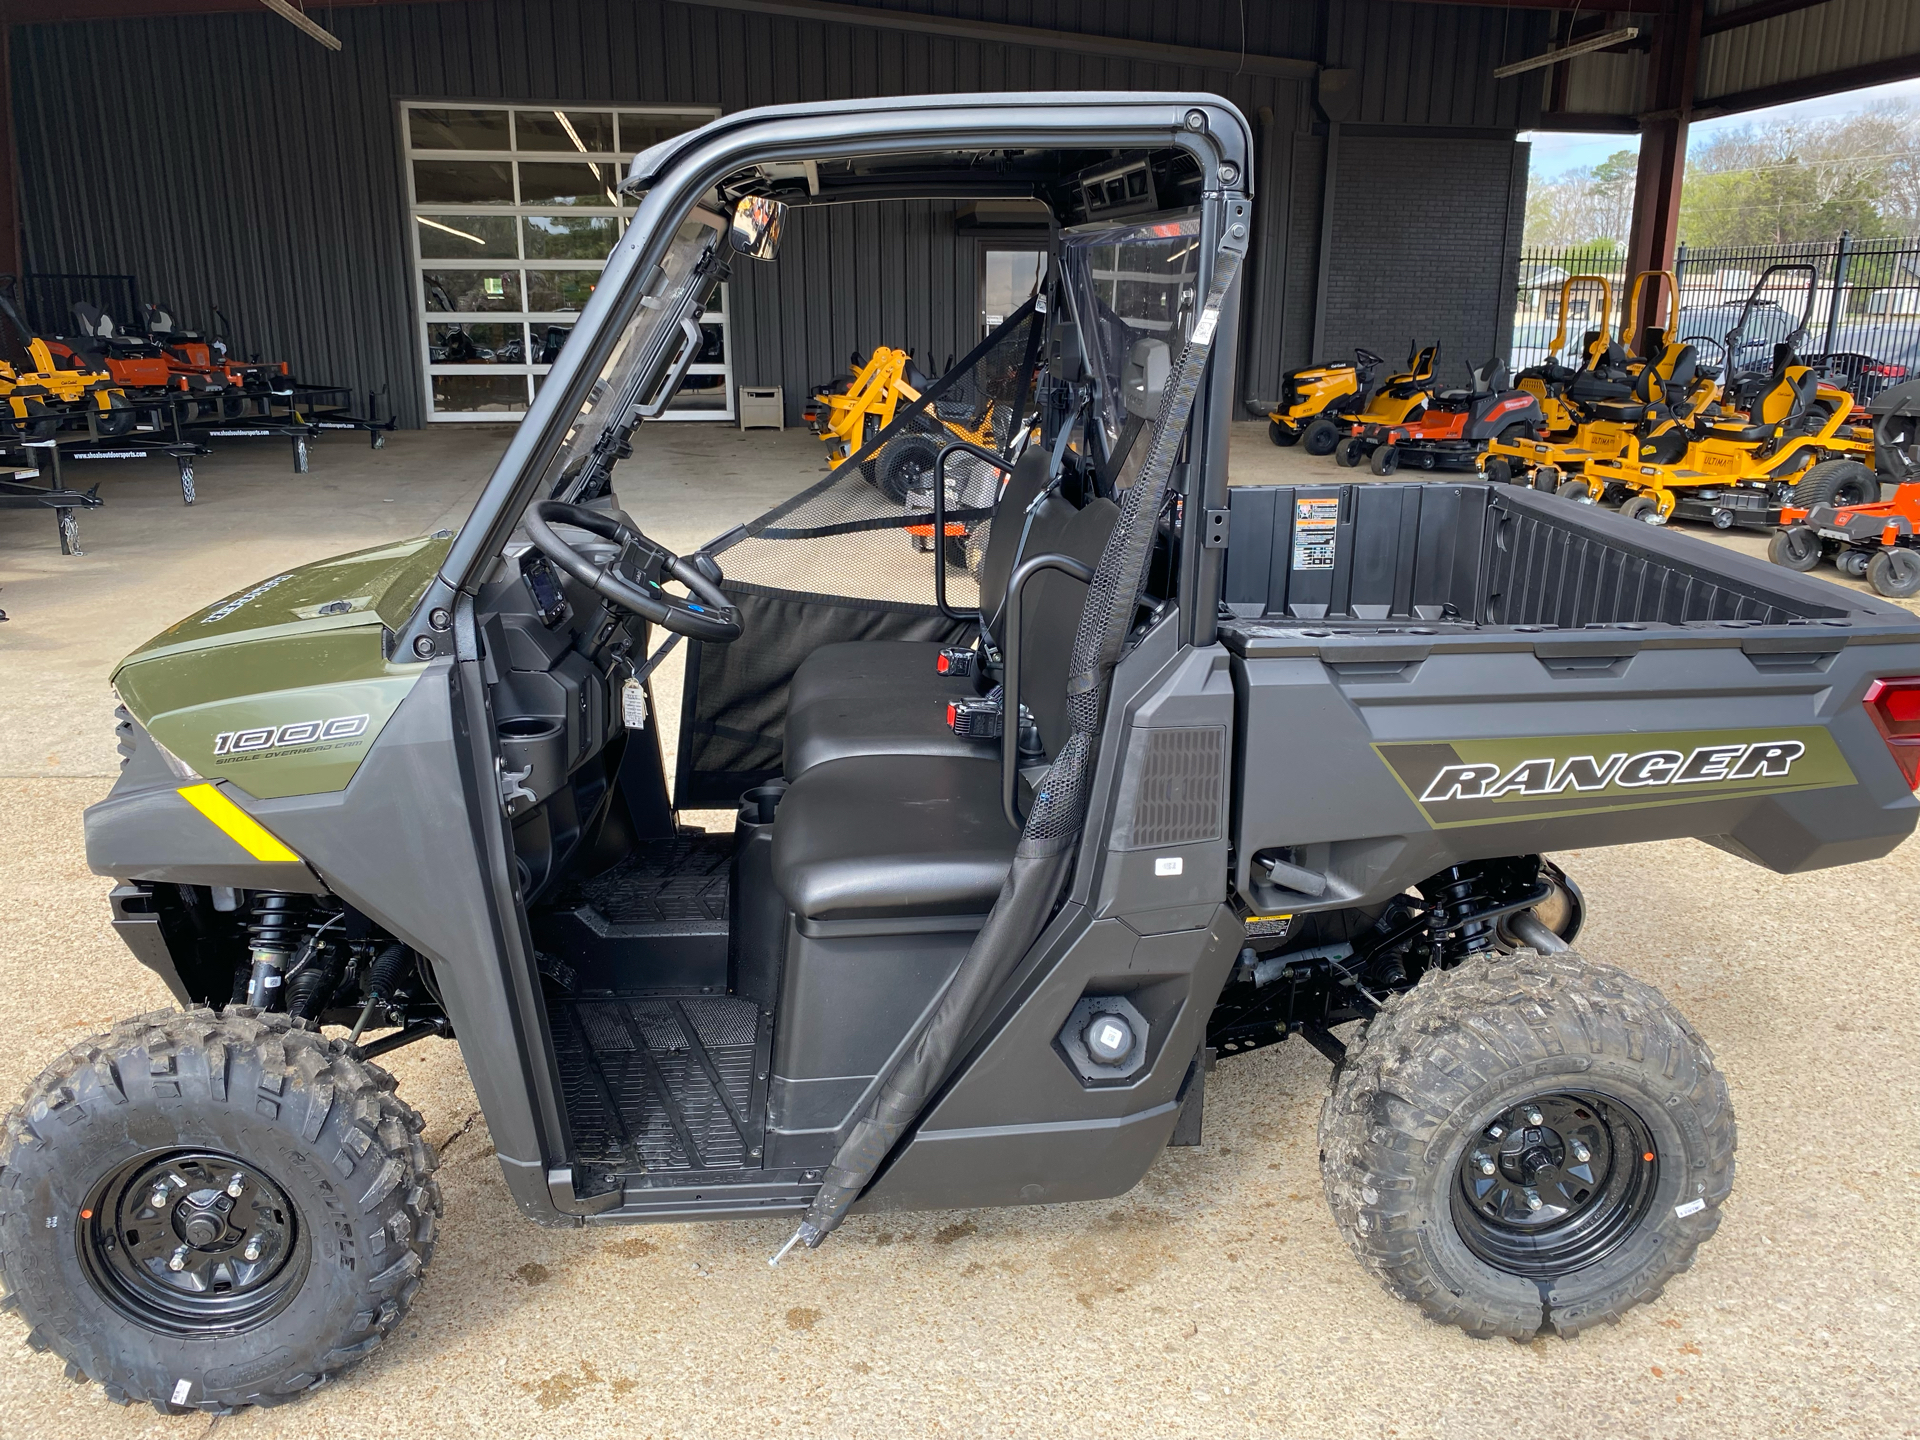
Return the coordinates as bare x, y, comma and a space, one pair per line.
1555, 153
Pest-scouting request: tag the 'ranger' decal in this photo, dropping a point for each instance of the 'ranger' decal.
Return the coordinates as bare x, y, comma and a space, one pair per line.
1479, 782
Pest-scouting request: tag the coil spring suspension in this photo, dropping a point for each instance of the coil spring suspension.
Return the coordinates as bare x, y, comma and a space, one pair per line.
278, 926
1467, 901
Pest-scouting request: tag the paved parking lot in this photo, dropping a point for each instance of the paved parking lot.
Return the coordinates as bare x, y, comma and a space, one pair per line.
1215, 1299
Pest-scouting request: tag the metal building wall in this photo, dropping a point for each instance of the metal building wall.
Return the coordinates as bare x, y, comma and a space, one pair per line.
229, 160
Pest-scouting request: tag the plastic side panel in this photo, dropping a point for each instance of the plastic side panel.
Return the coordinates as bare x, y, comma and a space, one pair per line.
398, 845
1017, 1126
1343, 767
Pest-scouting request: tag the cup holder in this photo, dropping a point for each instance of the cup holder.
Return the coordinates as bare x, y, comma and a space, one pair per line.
536, 744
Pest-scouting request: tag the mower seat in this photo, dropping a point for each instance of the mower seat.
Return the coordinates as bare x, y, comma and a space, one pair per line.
886, 698
876, 837
1784, 402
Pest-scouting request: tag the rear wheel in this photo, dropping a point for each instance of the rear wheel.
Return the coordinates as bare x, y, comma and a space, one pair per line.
1838, 483
1347, 452
207, 1211
1796, 547
1527, 1144
1642, 507
1894, 573
1282, 434
1320, 437
1386, 460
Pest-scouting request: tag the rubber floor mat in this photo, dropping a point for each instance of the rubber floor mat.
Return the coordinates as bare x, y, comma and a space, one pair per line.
663, 1083
678, 879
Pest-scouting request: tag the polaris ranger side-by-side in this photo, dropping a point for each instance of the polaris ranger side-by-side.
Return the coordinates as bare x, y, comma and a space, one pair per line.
1054, 784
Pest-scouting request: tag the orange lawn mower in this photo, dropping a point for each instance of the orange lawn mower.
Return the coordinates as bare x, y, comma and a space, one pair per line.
1872, 539
143, 365
1453, 429
43, 391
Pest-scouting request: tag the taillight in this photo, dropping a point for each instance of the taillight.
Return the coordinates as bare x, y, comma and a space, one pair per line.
1890, 372
1895, 708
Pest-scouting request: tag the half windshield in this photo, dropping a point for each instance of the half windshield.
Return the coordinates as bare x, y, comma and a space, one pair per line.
1126, 282
631, 375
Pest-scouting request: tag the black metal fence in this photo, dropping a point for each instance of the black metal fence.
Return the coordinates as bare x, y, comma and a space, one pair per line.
1859, 302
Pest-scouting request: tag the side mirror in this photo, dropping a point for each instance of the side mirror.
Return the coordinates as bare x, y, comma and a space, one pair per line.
1149, 363
757, 222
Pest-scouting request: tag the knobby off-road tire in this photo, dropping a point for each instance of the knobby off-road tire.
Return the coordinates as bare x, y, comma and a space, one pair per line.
1407, 1119
333, 1173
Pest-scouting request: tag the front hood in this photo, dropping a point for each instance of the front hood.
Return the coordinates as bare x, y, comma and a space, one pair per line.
367, 587
281, 688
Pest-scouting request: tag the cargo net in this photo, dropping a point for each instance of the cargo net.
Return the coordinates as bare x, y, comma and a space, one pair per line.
865, 532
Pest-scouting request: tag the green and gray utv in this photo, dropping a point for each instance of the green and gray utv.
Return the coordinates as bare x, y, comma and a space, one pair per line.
1067, 777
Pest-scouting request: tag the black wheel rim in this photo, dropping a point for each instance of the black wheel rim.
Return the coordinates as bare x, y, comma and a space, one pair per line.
193, 1242
1544, 1210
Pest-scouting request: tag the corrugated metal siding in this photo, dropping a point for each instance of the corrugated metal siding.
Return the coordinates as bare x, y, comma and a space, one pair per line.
273, 185
1602, 84
1805, 43
1432, 65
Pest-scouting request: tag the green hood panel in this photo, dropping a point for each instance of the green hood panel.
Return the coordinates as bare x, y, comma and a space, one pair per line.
265, 691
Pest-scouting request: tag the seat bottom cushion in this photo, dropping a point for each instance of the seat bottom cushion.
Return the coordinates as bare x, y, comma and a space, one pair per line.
877, 837
872, 697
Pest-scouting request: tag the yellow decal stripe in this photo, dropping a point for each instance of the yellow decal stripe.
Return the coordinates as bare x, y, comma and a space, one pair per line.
245, 831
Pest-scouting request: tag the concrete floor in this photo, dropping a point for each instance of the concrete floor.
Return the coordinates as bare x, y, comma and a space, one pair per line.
1215, 1299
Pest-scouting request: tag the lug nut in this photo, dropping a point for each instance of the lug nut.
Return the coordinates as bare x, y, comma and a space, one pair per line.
1533, 1199
237, 1185
1533, 1115
158, 1200
1485, 1165
252, 1250
1581, 1152
178, 1260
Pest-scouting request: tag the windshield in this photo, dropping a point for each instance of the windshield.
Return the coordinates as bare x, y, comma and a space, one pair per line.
628, 378
1129, 282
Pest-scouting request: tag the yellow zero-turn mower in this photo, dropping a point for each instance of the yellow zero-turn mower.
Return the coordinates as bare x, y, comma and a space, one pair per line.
45, 389
1738, 470
1399, 400
1666, 389
1315, 399
888, 378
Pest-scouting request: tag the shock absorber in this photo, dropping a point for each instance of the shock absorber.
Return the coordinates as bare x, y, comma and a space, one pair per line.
279, 924
1460, 925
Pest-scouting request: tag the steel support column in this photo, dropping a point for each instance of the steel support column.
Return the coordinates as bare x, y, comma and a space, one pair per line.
1671, 72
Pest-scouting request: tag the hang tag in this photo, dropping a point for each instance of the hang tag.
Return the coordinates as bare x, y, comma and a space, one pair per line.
633, 704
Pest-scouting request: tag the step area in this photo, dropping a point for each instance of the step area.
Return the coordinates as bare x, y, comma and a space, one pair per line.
655, 922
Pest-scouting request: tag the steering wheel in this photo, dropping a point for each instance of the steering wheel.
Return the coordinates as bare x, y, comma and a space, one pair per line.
706, 615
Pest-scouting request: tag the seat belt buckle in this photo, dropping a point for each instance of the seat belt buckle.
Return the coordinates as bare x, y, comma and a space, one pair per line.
956, 660
977, 717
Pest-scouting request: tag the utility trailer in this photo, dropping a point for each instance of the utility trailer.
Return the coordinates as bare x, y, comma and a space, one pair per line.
1127, 773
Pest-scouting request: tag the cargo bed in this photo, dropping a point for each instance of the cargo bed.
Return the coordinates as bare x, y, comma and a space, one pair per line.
1531, 675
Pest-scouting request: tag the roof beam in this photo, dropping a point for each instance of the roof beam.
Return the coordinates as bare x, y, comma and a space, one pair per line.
1878, 72
1753, 14
994, 32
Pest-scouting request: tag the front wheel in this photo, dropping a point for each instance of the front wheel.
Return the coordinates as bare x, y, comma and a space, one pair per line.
1499, 470
1347, 453
1546, 479
1895, 574
1642, 507
204, 1211
1795, 548
1320, 437
1527, 1145
1579, 490
1282, 434
1386, 460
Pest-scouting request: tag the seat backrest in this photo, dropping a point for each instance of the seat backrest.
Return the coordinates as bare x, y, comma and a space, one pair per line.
91, 321
1023, 486
1787, 392
1050, 609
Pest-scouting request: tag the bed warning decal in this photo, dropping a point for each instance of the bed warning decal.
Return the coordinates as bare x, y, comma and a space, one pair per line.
1480, 782
1316, 530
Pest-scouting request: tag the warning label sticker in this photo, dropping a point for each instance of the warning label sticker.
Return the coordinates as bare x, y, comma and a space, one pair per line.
1315, 531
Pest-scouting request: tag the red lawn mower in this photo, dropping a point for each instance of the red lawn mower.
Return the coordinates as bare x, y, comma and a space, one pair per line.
1454, 428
